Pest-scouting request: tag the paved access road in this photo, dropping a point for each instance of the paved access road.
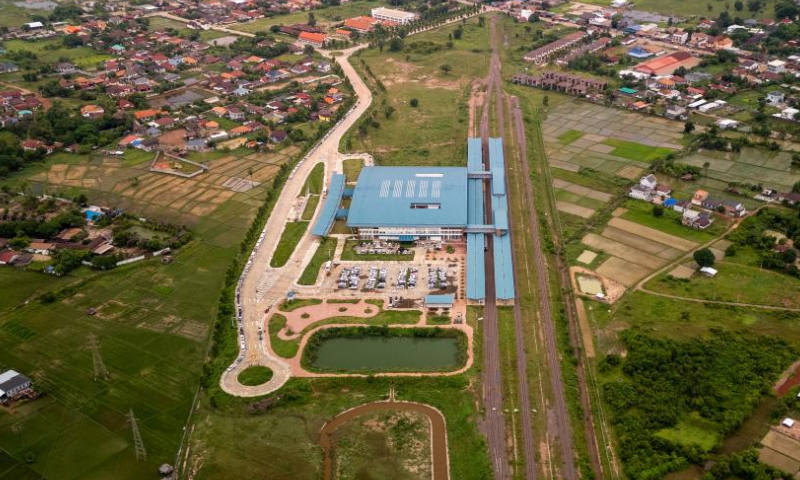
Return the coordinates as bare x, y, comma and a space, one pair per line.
262, 285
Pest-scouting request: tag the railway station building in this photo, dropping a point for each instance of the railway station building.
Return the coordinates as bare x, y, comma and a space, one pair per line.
410, 204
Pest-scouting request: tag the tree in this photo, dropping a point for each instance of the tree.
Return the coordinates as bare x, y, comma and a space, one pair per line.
688, 127
738, 5
414, 103
658, 211
704, 257
388, 110
545, 101
308, 49
395, 44
312, 20
796, 187
445, 68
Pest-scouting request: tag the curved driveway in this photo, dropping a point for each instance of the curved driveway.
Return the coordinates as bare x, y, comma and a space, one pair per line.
262, 285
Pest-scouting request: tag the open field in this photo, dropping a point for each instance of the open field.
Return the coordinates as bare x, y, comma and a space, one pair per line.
434, 132
684, 9
50, 51
352, 169
324, 16
735, 283
692, 431
390, 445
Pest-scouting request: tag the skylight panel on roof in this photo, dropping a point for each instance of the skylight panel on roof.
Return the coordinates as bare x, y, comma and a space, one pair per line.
398, 189
385, 188
436, 189
423, 189
410, 188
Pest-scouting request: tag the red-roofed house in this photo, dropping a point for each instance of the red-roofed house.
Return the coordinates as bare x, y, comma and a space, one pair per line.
315, 39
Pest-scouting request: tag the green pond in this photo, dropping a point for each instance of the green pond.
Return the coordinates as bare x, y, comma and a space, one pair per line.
387, 354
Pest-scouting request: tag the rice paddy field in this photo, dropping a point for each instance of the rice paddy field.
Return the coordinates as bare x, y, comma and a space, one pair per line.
579, 134
152, 321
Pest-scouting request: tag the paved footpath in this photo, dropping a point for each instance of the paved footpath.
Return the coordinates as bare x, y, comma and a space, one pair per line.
262, 285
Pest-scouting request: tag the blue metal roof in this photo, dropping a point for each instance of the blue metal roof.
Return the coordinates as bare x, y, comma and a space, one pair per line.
410, 196
474, 155
438, 299
328, 213
476, 266
503, 258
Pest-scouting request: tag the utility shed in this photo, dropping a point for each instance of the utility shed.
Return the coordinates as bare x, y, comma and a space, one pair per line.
438, 301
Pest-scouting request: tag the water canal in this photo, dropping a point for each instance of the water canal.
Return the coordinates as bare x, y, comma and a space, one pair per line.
387, 354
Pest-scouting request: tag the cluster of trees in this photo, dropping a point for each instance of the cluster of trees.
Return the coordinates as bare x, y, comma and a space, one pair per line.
721, 377
751, 234
593, 64
673, 168
125, 236
60, 124
37, 226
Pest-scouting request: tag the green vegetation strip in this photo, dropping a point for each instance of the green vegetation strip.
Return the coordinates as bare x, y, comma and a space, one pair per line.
311, 207
314, 181
299, 303
255, 375
323, 254
636, 151
289, 239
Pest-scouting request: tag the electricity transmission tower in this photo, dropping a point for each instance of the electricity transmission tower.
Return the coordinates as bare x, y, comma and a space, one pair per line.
100, 370
138, 444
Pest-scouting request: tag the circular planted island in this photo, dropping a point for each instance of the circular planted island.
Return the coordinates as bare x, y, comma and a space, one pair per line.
385, 350
255, 375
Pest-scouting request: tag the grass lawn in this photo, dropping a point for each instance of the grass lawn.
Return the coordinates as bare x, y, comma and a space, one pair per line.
349, 254
736, 283
693, 430
636, 151
290, 237
352, 169
434, 132
311, 207
570, 136
20, 286
255, 375
642, 213
51, 51
299, 303
314, 181
323, 254
593, 179
282, 348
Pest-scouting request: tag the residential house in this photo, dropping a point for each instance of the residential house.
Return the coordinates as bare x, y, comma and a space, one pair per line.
734, 208
776, 66
316, 40
235, 113
699, 197
775, 98
92, 111
13, 384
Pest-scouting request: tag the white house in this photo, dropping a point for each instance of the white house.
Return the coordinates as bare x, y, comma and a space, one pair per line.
787, 113
12, 383
727, 124
775, 98
392, 15
776, 66
641, 193
650, 182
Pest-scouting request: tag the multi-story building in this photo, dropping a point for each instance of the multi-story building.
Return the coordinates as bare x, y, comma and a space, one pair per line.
391, 15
